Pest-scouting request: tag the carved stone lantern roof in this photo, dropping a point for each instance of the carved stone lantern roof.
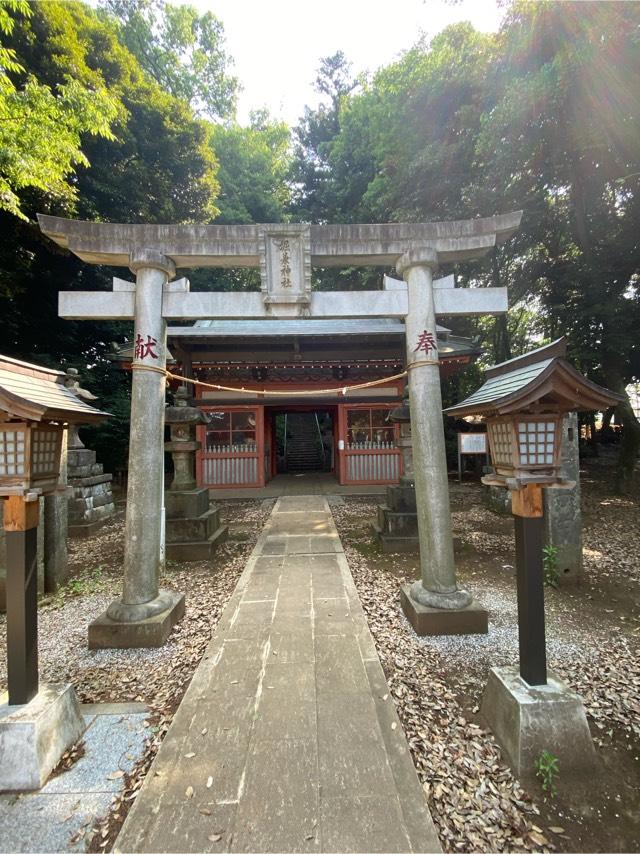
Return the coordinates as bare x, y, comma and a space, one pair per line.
183, 411
541, 381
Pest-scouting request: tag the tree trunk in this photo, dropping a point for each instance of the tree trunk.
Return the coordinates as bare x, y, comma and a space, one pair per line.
630, 444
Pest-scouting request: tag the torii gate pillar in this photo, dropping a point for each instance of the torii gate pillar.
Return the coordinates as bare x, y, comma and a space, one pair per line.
145, 615
434, 605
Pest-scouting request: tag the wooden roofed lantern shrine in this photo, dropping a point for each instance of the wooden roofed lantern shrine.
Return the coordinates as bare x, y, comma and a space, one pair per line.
35, 408
523, 402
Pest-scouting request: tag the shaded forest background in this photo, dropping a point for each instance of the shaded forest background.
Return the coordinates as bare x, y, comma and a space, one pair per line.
126, 112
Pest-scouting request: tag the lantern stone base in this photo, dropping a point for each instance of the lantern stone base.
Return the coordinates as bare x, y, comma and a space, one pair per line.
528, 719
34, 736
193, 528
105, 633
471, 620
396, 527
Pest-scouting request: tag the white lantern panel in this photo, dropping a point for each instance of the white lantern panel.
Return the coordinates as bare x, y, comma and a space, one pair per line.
536, 445
12, 443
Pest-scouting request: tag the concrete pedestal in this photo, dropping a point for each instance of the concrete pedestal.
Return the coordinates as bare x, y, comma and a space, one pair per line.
397, 524
91, 503
105, 633
526, 720
471, 620
193, 528
33, 737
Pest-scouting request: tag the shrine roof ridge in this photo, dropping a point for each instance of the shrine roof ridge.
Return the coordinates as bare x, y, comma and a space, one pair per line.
296, 326
557, 348
378, 244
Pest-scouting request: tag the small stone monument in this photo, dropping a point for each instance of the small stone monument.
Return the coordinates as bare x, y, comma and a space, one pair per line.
397, 523
91, 501
193, 529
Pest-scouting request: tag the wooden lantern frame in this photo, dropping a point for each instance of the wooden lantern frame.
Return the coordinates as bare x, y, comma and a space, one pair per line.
30, 455
507, 450
540, 386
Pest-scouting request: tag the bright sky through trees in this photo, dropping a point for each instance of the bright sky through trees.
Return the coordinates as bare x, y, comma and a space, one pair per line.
277, 46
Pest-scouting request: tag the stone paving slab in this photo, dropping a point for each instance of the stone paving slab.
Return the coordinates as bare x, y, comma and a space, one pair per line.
284, 740
50, 819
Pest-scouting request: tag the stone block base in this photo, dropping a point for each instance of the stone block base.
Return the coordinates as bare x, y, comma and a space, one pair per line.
472, 620
85, 530
105, 633
186, 504
527, 719
198, 550
33, 737
393, 543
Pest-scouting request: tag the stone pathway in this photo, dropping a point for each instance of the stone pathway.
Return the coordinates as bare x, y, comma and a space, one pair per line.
287, 738
59, 816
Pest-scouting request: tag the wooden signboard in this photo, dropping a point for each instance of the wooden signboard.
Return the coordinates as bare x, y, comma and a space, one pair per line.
471, 443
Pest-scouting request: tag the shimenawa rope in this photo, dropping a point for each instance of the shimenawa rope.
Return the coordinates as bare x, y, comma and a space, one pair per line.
344, 390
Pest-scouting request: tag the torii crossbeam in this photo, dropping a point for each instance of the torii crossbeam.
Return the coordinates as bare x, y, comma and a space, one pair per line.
285, 254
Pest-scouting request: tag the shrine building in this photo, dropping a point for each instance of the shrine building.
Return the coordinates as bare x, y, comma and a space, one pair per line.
252, 437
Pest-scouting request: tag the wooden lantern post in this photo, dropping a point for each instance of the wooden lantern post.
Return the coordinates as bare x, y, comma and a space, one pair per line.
21, 527
523, 401
527, 507
35, 406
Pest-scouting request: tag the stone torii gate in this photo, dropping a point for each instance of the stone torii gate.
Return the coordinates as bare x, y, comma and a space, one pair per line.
284, 255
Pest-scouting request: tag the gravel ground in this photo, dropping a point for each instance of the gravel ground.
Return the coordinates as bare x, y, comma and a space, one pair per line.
157, 677
437, 682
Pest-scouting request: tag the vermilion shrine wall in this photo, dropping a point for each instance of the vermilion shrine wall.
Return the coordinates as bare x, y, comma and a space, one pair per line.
236, 452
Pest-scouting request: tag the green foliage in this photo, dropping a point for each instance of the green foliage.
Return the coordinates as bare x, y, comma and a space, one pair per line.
314, 188
181, 50
41, 126
550, 571
547, 769
254, 167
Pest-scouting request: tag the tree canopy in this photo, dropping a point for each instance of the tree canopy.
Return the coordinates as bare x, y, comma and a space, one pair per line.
127, 113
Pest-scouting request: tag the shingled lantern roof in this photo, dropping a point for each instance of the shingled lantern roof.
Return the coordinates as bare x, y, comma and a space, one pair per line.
30, 392
541, 380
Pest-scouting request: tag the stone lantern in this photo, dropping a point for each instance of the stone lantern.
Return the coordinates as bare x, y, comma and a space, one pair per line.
193, 529
402, 415
38, 723
523, 402
397, 524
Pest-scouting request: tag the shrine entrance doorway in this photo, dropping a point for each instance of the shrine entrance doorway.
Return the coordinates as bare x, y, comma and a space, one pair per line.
304, 439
